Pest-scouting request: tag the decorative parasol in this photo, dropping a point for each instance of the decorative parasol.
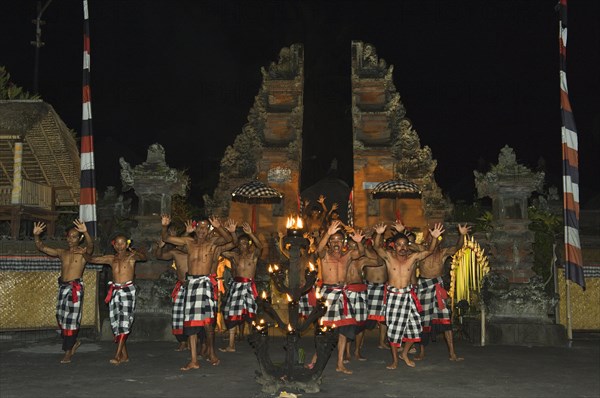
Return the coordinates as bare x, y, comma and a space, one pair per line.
396, 189
256, 192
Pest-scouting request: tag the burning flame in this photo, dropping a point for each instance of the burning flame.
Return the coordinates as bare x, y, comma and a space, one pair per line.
270, 269
289, 298
276, 268
262, 321
294, 223
263, 295
317, 294
290, 328
311, 267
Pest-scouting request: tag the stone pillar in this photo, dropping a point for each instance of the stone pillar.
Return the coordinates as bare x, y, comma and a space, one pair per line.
154, 183
510, 185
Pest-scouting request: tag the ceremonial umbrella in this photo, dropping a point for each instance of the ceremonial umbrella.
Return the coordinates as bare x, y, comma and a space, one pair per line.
396, 189
255, 192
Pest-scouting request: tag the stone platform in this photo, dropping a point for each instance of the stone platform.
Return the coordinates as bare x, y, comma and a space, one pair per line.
513, 331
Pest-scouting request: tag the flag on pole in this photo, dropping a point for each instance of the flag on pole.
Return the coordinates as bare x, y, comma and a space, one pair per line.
351, 208
573, 257
87, 192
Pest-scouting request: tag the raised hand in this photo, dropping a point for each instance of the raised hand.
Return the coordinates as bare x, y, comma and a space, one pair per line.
38, 228
357, 236
80, 226
189, 227
321, 199
437, 231
334, 227
380, 228
464, 229
165, 220
334, 206
214, 221
398, 226
246, 227
230, 225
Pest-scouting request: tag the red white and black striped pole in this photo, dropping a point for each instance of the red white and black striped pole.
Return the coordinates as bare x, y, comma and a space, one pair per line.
87, 193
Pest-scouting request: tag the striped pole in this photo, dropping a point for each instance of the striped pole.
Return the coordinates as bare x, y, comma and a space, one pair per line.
87, 193
574, 260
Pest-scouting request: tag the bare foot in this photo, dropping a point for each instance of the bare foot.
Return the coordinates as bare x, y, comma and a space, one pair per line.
408, 362
393, 365
412, 350
383, 347
182, 347
227, 349
115, 361
71, 352
191, 365
359, 357
455, 358
66, 358
215, 362
343, 369
309, 365
346, 361
419, 357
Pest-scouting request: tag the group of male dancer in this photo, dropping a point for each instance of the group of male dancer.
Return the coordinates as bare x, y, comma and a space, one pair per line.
361, 284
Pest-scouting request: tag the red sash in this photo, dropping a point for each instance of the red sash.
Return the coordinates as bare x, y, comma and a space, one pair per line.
113, 287
440, 294
176, 289
215, 285
75, 290
246, 280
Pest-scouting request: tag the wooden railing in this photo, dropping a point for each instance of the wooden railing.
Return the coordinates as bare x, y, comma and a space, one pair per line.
5, 194
32, 194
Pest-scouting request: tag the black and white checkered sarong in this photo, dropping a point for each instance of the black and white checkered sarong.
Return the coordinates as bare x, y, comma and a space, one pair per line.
200, 303
402, 316
121, 307
178, 312
304, 307
240, 304
375, 297
357, 298
432, 296
346, 305
68, 308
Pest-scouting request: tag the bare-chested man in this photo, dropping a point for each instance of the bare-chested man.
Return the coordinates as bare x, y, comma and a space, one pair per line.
179, 256
357, 290
436, 317
70, 283
334, 266
240, 303
201, 297
315, 218
402, 313
121, 293
376, 278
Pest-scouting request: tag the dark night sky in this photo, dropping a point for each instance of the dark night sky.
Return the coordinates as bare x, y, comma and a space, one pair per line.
474, 76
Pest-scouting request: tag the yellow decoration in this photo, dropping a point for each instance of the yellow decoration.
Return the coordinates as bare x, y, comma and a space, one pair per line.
469, 266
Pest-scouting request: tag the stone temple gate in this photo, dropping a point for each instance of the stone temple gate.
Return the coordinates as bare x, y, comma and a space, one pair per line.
385, 146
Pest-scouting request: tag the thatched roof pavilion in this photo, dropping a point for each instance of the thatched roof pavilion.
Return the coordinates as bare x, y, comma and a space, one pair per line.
49, 158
